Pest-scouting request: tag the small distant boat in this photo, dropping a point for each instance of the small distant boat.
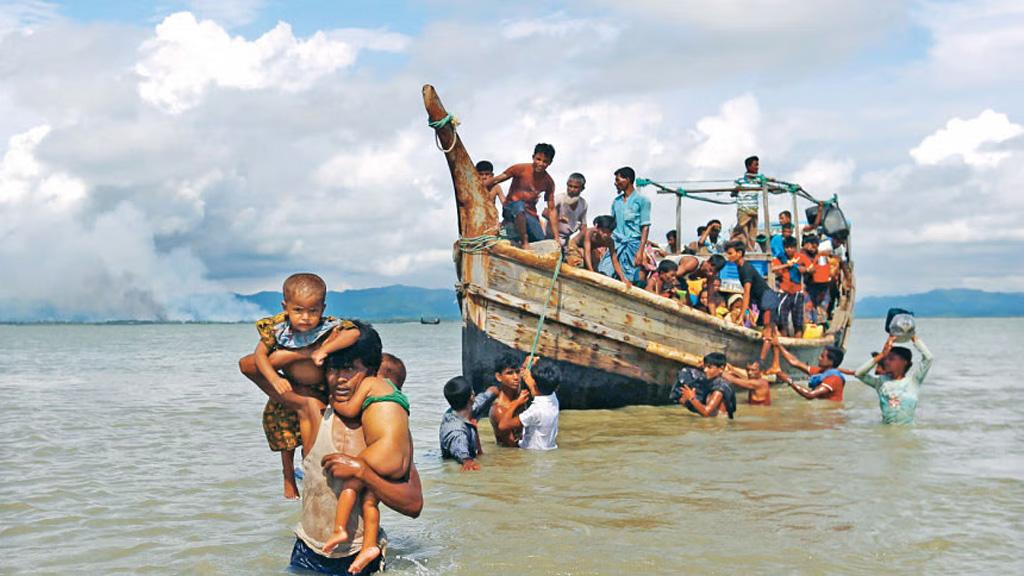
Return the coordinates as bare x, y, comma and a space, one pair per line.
434, 320
612, 345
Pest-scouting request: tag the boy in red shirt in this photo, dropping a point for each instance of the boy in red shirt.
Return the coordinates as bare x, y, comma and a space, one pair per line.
820, 278
827, 381
529, 181
791, 274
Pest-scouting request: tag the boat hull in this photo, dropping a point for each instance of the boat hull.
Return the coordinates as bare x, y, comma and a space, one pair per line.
607, 342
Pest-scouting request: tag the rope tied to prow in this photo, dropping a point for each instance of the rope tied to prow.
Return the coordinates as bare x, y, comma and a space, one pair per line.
438, 124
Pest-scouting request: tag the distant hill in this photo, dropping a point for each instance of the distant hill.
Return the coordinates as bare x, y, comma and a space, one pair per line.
954, 303
389, 303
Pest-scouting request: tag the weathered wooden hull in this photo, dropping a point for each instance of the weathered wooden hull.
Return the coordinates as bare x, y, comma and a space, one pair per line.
612, 345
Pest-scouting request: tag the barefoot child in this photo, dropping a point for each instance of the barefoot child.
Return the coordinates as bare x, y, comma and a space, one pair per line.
384, 412
296, 341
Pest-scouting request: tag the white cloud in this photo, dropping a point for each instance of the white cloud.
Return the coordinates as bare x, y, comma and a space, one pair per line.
725, 139
559, 25
25, 15
967, 139
185, 57
23, 178
975, 42
824, 177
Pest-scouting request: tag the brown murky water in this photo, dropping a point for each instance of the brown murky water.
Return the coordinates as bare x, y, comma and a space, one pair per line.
138, 449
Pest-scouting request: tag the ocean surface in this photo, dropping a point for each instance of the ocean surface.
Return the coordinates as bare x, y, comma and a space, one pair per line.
139, 450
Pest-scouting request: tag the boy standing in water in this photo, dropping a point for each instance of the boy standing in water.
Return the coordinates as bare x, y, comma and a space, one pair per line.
296, 341
459, 436
759, 390
509, 378
529, 181
540, 421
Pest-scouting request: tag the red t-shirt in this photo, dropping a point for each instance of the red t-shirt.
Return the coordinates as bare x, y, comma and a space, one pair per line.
527, 186
833, 383
821, 270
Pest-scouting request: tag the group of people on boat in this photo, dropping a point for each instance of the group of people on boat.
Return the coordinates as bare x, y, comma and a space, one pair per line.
810, 273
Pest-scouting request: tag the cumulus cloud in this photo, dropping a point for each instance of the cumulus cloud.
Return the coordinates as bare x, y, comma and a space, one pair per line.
969, 140
187, 56
725, 139
975, 42
824, 177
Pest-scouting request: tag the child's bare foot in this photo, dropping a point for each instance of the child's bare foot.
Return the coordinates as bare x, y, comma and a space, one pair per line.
363, 559
291, 489
337, 537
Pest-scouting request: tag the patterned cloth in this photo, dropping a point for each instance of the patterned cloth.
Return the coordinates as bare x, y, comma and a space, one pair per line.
280, 423
276, 331
898, 398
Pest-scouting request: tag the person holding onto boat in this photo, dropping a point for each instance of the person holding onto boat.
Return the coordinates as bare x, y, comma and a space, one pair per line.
696, 274
508, 375
336, 456
632, 213
759, 390
571, 209
756, 290
827, 380
588, 247
899, 385
485, 171
539, 421
664, 282
459, 436
295, 341
747, 202
703, 390
529, 181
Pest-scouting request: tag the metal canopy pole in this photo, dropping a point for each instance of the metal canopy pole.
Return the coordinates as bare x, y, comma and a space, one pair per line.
768, 233
679, 224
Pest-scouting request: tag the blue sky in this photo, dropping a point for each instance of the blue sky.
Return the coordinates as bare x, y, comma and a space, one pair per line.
155, 157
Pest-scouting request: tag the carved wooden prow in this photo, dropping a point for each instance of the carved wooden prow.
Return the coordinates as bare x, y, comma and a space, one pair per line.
477, 213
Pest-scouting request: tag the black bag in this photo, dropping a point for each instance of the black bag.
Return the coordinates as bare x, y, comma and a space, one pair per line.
893, 312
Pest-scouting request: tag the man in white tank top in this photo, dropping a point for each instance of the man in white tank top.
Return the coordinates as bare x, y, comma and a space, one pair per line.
329, 459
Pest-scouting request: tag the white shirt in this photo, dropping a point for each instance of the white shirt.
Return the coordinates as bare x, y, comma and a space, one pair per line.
576, 215
540, 424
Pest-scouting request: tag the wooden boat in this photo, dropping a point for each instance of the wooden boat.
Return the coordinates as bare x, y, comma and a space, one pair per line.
432, 321
612, 345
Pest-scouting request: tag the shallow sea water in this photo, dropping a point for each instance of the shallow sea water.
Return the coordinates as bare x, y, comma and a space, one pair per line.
139, 450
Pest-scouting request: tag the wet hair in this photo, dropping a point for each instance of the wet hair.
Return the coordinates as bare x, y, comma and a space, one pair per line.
366, 349
671, 234
457, 392
546, 377
627, 173
304, 284
484, 166
579, 178
667, 266
717, 262
736, 245
507, 360
904, 353
605, 222
750, 161
787, 226
392, 368
789, 242
715, 359
835, 355
545, 149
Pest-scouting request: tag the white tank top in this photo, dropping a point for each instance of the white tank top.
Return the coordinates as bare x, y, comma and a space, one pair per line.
320, 499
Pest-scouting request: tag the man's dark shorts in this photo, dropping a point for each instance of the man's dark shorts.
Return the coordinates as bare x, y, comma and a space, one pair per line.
303, 557
770, 301
534, 229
